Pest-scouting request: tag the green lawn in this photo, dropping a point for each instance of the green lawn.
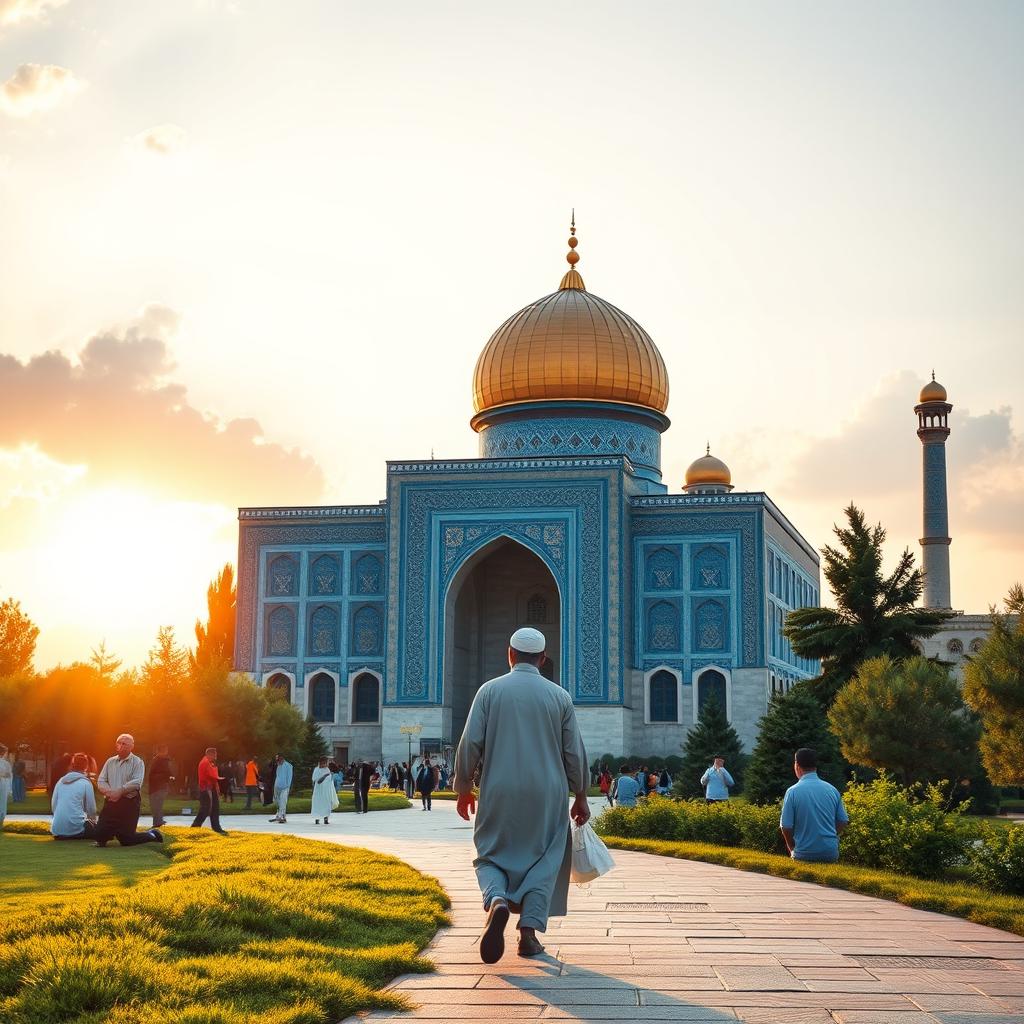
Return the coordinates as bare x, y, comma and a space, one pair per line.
38, 802
955, 897
206, 930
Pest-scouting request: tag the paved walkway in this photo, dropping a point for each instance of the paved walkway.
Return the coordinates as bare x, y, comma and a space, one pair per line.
660, 939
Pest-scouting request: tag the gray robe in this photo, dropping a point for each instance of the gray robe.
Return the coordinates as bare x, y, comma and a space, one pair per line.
523, 729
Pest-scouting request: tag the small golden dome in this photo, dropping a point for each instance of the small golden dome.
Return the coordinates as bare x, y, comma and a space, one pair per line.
933, 391
708, 470
571, 345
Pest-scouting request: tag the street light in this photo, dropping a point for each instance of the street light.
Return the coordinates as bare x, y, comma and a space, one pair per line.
410, 731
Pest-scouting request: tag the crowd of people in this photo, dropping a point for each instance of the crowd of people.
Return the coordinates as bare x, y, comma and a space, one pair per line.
633, 781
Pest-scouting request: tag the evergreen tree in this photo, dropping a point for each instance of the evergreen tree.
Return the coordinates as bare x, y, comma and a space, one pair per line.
310, 748
105, 663
18, 635
874, 614
794, 720
710, 736
906, 718
215, 642
994, 688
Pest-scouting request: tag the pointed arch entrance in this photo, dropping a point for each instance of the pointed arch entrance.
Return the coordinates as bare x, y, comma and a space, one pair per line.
501, 587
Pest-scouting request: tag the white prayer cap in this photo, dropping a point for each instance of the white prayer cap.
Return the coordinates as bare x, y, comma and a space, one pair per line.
528, 640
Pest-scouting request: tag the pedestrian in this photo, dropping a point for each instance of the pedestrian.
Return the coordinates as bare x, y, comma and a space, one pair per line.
6, 778
625, 789
813, 814
18, 789
394, 778
74, 803
120, 781
267, 781
337, 776
716, 781
226, 783
425, 783
252, 781
209, 779
159, 783
325, 796
361, 784
604, 783
282, 784
664, 782
523, 731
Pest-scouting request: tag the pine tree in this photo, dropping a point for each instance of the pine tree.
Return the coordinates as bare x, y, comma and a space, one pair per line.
874, 615
994, 688
310, 749
215, 642
18, 635
794, 720
711, 736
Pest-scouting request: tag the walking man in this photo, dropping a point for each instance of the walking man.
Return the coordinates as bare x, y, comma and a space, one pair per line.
252, 782
425, 783
282, 783
361, 785
159, 784
813, 814
209, 779
120, 782
716, 781
523, 730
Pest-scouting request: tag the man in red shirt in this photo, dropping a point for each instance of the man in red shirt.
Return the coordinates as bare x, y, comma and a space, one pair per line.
209, 792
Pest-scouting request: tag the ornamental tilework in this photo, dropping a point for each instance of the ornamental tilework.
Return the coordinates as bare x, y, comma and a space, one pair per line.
325, 576
545, 436
663, 633
279, 636
710, 568
282, 576
514, 509
252, 539
368, 576
662, 571
323, 639
936, 517
711, 625
367, 632
743, 523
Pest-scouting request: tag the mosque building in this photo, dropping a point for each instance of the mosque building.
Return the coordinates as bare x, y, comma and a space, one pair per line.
379, 619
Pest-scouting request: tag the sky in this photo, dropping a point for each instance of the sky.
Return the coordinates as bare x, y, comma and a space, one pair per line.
250, 251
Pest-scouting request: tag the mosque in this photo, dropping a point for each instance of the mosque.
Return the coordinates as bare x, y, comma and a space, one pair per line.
381, 621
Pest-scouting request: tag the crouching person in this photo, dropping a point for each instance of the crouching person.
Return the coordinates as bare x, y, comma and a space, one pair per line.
74, 803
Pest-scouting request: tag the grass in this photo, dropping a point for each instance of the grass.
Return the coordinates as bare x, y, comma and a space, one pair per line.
957, 898
206, 930
38, 802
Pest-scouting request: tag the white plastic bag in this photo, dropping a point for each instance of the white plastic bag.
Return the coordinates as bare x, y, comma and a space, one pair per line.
590, 857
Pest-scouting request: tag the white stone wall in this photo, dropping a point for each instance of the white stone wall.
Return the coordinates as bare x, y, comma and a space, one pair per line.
749, 703
436, 722
605, 730
967, 629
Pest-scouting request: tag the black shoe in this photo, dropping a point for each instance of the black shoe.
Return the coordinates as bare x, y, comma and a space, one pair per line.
317, 822
492, 942
326, 822
529, 946
273, 819
221, 832
157, 835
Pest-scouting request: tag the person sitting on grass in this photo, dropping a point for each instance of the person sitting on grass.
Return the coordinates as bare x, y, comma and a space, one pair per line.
74, 803
325, 796
813, 814
120, 782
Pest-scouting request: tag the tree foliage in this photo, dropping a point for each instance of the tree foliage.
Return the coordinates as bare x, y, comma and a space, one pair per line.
874, 614
215, 642
710, 736
794, 720
18, 635
994, 688
907, 718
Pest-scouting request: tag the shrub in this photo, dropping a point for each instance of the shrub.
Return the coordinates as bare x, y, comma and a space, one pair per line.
998, 860
905, 830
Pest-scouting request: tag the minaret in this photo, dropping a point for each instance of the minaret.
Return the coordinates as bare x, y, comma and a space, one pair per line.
933, 429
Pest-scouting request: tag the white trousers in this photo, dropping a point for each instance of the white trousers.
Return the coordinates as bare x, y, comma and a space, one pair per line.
281, 799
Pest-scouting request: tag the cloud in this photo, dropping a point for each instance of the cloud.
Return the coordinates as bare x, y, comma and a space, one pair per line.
36, 89
161, 140
13, 12
117, 412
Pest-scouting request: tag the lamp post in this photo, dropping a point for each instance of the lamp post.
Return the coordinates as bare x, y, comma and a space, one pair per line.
410, 731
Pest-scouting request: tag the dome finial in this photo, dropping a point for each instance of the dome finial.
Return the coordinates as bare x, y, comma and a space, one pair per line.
707, 449
572, 279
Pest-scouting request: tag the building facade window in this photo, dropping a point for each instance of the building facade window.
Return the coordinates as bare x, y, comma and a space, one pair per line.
366, 698
955, 646
321, 698
280, 683
663, 697
712, 685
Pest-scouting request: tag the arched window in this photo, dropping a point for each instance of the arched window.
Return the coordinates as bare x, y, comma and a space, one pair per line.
975, 645
367, 576
283, 577
321, 697
663, 627
323, 632
664, 697
280, 683
280, 638
955, 646
711, 685
365, 698
662, 570
366, 631
710, 569
537, 610
325, 576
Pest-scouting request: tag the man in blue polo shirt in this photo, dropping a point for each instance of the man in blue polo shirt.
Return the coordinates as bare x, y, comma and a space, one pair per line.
626, 789
813, 814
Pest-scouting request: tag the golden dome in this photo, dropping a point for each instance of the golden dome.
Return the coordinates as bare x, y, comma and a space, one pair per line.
708, 470
570, 345
933, 391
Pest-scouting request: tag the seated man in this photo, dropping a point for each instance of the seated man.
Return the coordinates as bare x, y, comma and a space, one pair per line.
626, 789
74, 803
813, 814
